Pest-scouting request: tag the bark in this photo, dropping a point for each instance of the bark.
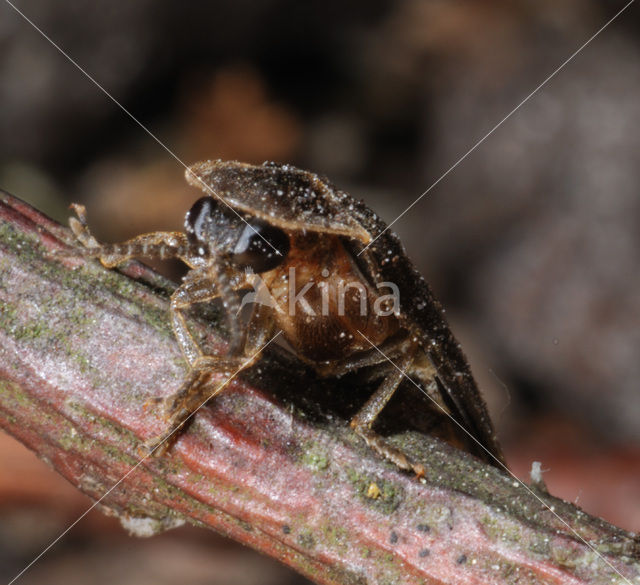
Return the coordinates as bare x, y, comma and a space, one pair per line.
83, 350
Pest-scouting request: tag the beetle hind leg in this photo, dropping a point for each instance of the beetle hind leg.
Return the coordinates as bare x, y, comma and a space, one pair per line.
364, 419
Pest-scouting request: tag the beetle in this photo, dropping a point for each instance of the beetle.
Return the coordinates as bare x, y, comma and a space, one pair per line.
292, 229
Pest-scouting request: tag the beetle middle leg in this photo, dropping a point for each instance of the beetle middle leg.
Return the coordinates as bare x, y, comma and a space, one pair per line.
196, 389
201, 286
200, 384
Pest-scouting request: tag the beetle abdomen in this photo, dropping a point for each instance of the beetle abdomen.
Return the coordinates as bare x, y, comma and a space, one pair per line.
321, 301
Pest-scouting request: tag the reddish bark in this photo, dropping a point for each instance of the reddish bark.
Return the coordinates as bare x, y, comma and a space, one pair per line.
82, 349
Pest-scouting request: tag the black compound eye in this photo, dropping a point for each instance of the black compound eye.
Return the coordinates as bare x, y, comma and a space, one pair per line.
197, 217
253, 251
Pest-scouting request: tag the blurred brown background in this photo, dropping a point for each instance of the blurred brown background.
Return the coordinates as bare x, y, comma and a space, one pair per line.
532, 243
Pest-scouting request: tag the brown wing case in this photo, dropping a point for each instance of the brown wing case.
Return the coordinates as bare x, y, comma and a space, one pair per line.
423, 316
281, 194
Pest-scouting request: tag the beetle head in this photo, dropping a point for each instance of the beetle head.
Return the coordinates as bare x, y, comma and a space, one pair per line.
213, 229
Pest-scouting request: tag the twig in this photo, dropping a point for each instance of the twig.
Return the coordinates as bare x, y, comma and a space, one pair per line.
83, 350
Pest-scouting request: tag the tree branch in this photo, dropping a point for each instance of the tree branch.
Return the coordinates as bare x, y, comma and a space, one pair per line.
83, 349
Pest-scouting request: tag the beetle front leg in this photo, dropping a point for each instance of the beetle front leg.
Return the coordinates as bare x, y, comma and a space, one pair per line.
364, 419
161, 245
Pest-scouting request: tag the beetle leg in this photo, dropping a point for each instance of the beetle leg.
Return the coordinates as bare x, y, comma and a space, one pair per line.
201, 286
191, 395
196, 389
363, 420
392, 349
162, 245
182, 298
375, 372
203, 383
